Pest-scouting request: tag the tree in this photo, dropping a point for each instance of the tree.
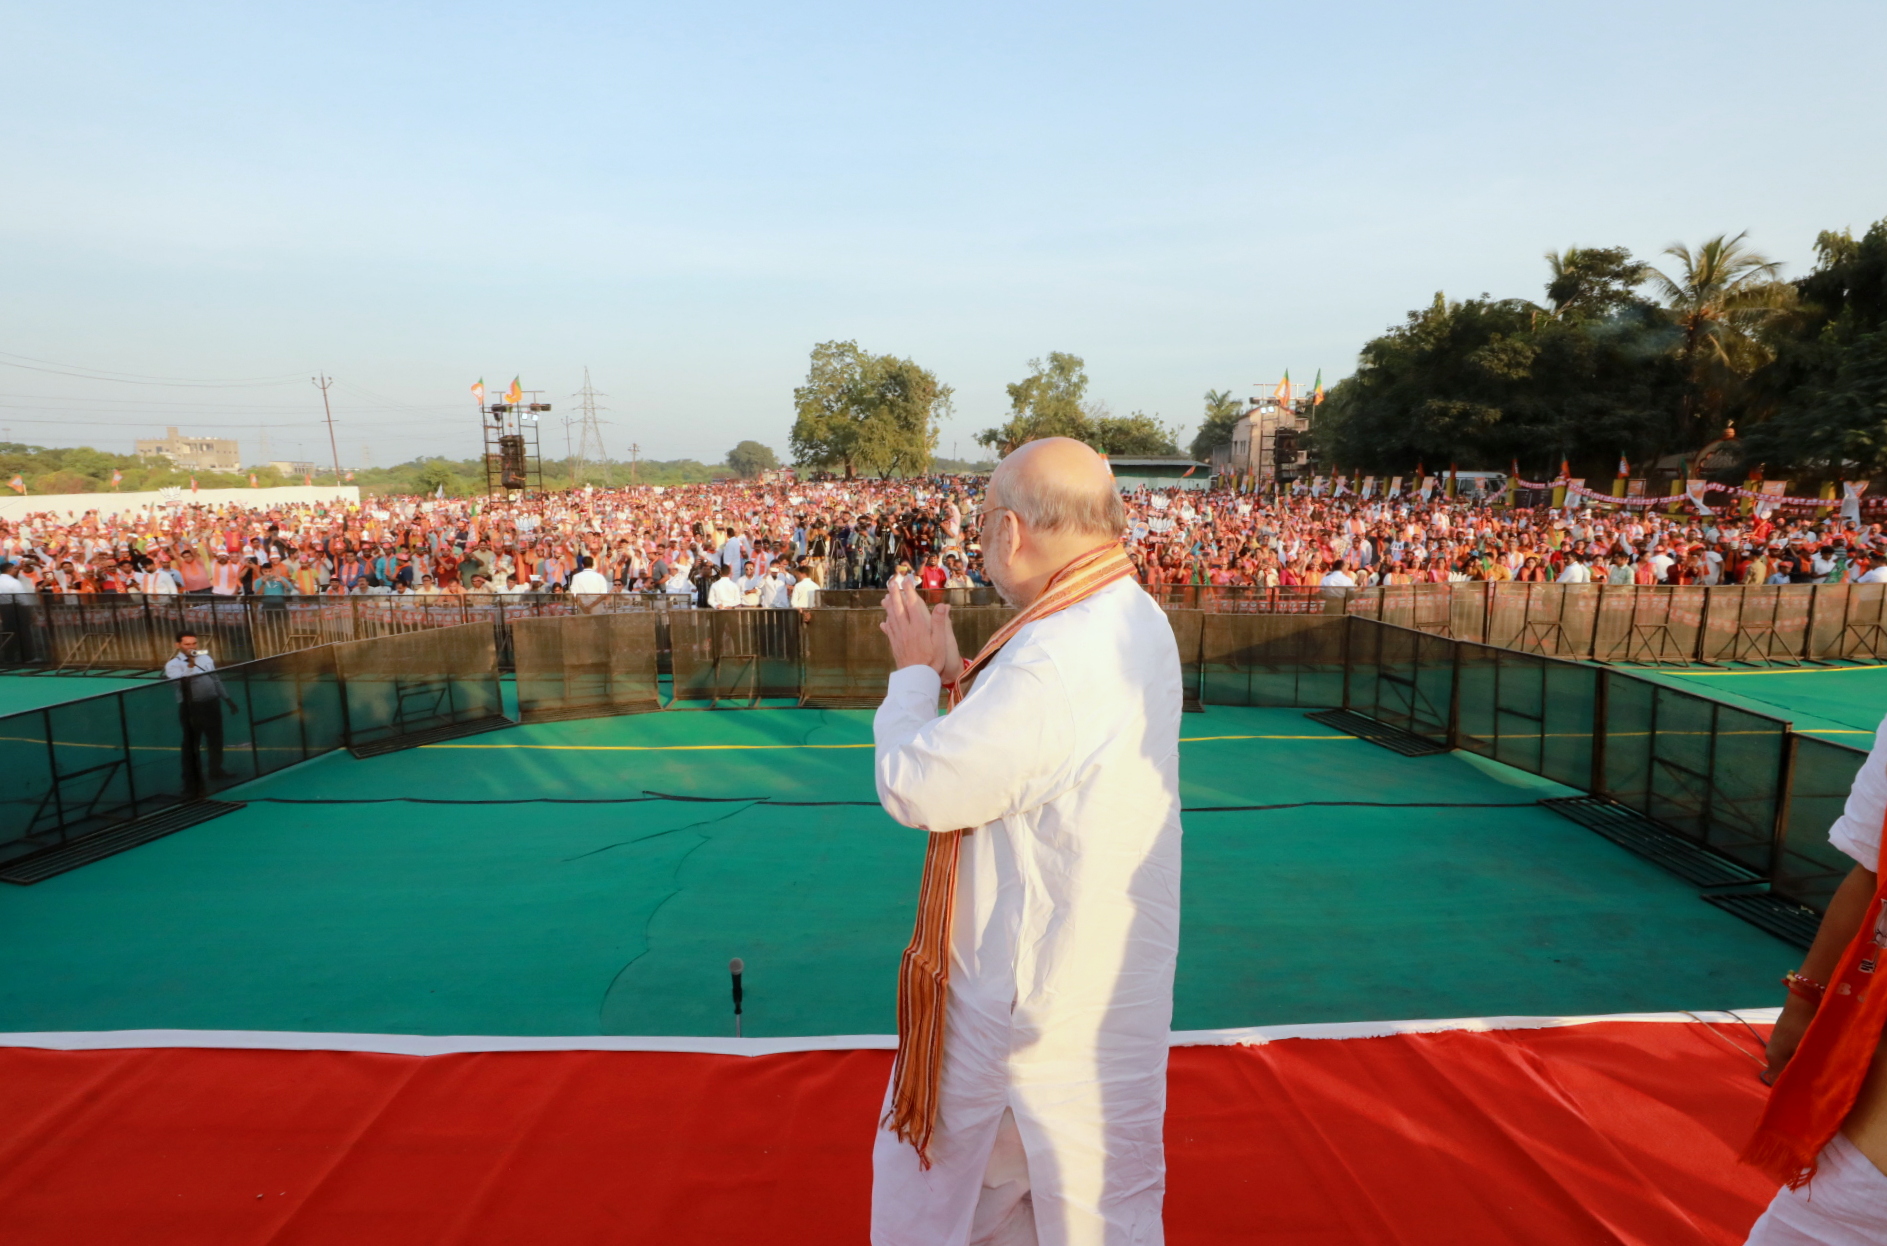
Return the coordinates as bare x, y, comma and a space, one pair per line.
901, 404
1136, 434
436, 474
1821, 405
750, 458
1223, 412
859, 410
1593, 282
1046, 403
1723, 294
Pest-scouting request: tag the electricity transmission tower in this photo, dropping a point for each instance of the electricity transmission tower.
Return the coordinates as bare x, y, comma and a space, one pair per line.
590, 442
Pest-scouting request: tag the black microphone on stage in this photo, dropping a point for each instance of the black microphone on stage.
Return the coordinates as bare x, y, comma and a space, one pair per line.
736, 967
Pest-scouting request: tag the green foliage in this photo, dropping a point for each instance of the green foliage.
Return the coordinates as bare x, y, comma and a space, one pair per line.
1136, 434
82, 469
860, 411
1821, 407
1591, 283
1485, 381
1223, 412
1721, 298
750, 458
1050, 402
1046, 403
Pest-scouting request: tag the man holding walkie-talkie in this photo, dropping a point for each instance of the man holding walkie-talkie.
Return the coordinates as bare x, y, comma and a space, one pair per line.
200, 701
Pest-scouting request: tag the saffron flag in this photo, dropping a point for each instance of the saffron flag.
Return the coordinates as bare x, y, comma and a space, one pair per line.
1565, 470
117, 478
307, 479
252, 480
478, 391
349, 476
1317, 399
1189, 471
17, 484
515, 393
1624, 468
193, 484
1283, 392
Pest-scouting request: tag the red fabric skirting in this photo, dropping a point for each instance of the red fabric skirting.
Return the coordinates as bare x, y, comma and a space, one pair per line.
1612, 1132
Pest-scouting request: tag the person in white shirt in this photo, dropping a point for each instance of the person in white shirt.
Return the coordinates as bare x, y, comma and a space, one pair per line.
1061, 942
723, 594
10, 583
776, 590
588, 586
1337, 577
1575, 571
201, 699
806, 591
1876, 572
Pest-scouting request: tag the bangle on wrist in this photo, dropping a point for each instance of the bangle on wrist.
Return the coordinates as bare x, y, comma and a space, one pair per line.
1804, 988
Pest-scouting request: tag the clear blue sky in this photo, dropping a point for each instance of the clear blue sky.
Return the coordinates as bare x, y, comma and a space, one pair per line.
687, 197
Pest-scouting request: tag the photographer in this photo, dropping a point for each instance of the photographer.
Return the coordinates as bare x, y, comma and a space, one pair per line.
200, 701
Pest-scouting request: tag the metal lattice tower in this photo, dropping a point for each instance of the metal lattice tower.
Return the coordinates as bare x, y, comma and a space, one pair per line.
590, 442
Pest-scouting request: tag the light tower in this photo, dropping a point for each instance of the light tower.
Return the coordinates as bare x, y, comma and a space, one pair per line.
590, 440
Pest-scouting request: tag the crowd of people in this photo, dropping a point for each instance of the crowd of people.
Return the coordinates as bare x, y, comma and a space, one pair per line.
734, 544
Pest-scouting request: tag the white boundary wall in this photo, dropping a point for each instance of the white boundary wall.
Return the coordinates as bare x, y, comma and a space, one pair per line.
68, 506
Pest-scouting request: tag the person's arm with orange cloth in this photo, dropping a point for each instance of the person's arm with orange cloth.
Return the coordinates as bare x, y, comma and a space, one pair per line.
1824, 1130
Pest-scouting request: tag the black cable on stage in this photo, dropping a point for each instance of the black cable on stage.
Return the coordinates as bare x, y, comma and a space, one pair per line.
647, 797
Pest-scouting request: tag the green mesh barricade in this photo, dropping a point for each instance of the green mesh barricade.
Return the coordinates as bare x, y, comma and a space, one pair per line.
24, 640
1708, 771
1532, 712
1401, 677
585, 666
1848, 622
1507, 617
741, 654
1557, 620
1277, 659
1396, 604
1649, 623
90, 765
1808, 868
1467, 611
412, 689
1434, 612
845, 658
975, 625
1188, 636
1756, 623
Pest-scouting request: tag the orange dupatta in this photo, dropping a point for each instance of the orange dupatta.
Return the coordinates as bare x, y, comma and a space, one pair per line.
924, 971
1818, 1086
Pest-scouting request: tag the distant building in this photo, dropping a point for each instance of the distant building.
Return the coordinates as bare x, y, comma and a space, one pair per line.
203, 454
1161, 472
290, 468
1254, 448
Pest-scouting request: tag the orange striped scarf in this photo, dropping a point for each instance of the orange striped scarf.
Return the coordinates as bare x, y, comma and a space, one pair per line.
924, 973
1818, 1087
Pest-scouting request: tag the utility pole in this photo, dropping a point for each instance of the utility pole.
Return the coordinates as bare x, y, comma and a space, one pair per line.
321, 383
569, 455
590, 446
634, 451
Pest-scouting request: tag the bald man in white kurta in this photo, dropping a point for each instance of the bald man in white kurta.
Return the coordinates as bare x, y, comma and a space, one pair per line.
1065, 758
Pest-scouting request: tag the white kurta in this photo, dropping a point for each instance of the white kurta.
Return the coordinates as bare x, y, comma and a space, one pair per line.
1065, 758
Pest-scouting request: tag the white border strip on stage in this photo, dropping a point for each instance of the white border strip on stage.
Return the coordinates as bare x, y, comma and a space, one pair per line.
442, 1045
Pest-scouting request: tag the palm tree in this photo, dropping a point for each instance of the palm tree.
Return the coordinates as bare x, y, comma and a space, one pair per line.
1723, 294
1222, 412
